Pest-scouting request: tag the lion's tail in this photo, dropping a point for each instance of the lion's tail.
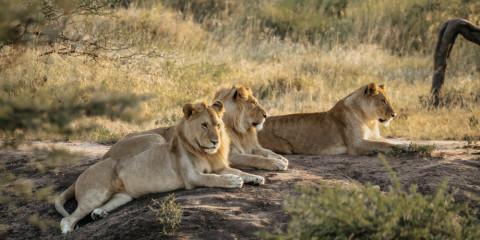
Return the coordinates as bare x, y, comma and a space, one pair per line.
63, 198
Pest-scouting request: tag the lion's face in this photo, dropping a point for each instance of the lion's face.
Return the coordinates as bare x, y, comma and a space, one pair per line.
243, 109
379, 106
204, 126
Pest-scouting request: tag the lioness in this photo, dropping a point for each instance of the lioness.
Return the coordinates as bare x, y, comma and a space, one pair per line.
351, 126
243, 117
196, 156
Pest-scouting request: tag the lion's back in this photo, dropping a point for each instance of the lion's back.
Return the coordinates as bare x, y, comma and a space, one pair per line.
302, 133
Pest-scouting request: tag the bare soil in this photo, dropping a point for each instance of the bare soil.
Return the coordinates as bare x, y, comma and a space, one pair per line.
215, 213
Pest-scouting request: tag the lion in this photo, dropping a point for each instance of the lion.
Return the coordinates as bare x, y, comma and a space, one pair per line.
350, 127
196, 156
243, 117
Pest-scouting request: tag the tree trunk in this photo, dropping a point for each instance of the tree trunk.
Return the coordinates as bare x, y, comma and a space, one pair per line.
448, 33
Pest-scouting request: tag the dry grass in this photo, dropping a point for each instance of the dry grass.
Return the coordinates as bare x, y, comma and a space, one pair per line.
286, 76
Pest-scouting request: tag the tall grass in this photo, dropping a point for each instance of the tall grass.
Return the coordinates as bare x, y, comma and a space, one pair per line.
297, 56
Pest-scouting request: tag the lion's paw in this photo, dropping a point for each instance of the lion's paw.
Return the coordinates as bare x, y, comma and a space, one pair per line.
65, 226
283, 159
277, 156
279, 165
98, 213
233, 181
258, 180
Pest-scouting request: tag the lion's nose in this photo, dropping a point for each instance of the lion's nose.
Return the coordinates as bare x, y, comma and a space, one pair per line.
394, 114
214, 142
264, 115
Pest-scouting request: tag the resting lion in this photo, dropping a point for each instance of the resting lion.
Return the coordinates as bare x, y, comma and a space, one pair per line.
243, 117
351, 126
196, 156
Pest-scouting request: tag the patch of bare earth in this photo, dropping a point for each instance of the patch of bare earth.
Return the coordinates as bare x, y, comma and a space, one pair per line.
215, 213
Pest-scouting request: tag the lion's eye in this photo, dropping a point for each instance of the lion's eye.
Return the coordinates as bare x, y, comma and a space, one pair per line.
385, 102
204, 125
218, 125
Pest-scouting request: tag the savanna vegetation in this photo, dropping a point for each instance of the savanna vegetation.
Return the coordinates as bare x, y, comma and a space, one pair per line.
70, 69
368, 213
297, 56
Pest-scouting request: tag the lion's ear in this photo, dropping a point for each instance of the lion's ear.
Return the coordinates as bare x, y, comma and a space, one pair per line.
372, 89
189, 110
383, 87
218, 107
241, 93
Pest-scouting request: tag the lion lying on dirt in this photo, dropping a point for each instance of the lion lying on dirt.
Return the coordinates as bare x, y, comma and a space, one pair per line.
196, 156
243, 117
351, 126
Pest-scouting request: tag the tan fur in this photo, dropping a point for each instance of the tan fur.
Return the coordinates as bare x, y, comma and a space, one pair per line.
243, 116
196, 156
351, 126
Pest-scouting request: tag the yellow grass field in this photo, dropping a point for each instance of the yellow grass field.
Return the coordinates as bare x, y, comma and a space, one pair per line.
178, 59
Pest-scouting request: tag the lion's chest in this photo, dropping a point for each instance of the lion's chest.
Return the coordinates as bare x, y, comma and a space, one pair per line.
370, 131
212, 165
366, 133
203, 166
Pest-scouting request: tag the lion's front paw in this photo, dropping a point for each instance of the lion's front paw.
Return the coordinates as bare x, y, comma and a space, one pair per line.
255, 179
277, 156
279, 165
258, 180
233, 181
98, 213
283, 159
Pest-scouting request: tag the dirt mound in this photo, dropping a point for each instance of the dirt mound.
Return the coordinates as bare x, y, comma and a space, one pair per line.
214, 213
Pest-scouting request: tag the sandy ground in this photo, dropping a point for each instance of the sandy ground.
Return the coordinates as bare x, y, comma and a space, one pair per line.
215, 213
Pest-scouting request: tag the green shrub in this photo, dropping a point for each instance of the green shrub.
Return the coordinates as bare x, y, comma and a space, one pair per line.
422, 150
368, 213
412, 148
310, 19
105, 136
168, 213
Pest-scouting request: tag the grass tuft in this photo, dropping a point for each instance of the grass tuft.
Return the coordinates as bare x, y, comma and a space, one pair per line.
168, 213
412, 148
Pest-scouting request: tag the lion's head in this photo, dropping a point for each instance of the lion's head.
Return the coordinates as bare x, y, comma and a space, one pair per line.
378, 104
243, 110
202, 128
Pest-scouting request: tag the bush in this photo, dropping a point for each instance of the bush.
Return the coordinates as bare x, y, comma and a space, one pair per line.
368, 213
309, 19
422, 150
168, 213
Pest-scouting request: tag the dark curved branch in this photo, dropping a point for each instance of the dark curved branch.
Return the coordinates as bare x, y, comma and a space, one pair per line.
449, 31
